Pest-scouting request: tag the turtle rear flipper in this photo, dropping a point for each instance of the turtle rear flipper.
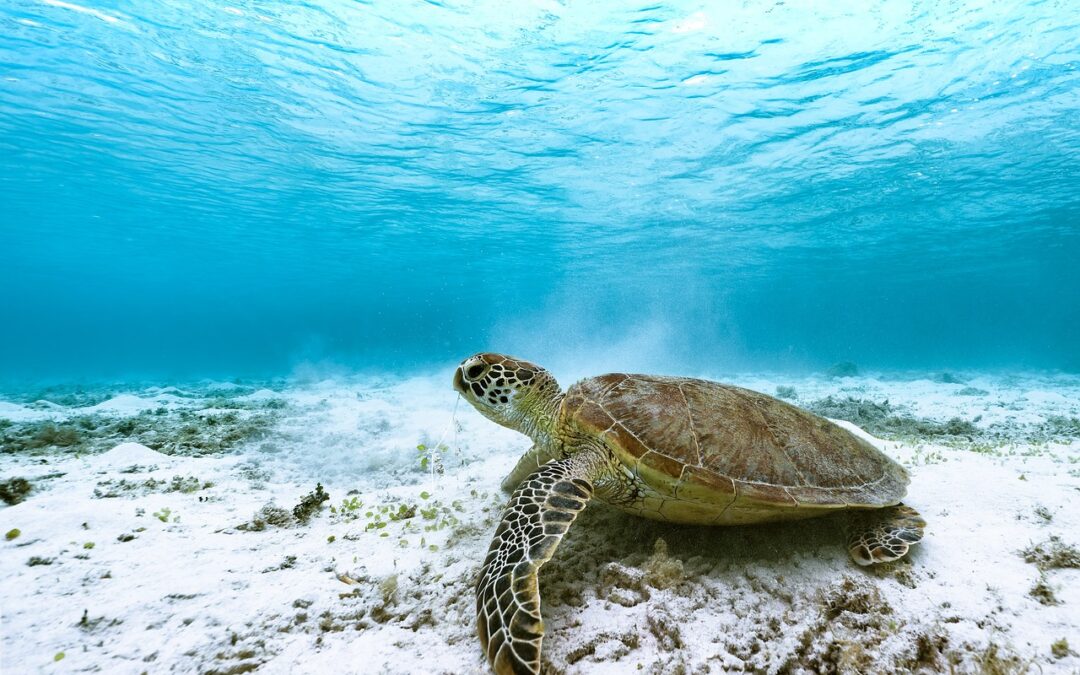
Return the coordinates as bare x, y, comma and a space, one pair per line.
885, 535
508, 592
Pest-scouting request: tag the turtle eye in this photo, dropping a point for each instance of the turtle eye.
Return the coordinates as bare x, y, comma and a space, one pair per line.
475, 371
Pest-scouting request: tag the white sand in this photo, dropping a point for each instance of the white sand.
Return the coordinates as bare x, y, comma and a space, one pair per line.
191, 593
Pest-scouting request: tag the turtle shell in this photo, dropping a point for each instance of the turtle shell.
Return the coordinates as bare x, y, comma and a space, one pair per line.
705, 441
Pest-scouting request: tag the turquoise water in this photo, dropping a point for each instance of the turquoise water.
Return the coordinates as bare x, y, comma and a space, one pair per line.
210, 188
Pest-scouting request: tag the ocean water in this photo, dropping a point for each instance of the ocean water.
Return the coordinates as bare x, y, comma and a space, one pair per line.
243, 245
240, 188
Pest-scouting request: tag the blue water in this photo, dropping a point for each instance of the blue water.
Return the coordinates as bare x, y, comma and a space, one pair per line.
235, 188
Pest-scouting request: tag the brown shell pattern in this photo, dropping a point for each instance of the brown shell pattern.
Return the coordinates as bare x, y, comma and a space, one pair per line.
728, 439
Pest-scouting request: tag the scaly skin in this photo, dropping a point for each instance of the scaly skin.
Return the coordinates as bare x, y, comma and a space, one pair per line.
575, 458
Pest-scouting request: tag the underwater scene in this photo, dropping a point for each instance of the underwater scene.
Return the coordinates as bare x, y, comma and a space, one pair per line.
551, 336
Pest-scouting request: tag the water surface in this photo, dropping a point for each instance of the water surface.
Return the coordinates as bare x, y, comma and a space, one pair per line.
223, 188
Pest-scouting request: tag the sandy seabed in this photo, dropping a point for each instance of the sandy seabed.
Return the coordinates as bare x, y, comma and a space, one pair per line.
159, 535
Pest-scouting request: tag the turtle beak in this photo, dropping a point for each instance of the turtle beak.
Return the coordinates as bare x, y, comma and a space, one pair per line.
459, 381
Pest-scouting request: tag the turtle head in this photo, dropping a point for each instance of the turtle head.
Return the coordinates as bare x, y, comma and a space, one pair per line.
511, 392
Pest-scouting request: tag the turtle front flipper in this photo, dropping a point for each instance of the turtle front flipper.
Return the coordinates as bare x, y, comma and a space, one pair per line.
508, 591
529, 462
885, 535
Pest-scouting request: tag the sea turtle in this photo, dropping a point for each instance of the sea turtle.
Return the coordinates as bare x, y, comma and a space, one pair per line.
673, 449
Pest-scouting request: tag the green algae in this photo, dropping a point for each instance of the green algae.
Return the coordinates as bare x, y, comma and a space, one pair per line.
170, 431
1060, 648
1044, 592
269, 514
273, 515
113, 488
786, 392
15, 490
310, 504
1052, 554
349, 509
200, 421
886, 420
